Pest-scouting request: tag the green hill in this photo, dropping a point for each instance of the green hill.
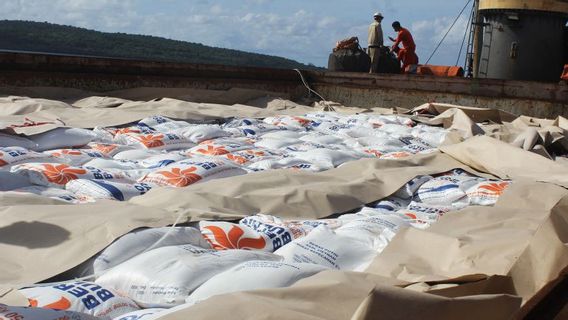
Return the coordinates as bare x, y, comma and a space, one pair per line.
53, 38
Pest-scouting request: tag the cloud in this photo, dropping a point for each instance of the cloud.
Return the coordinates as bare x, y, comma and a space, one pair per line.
304, 31
428, 33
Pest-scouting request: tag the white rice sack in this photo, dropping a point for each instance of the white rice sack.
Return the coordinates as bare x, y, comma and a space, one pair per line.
416, 142
283, 134
308, 146
375, 230
323, 116
335, 129
58, 175
108, 164
106, 189
275, 143
24, 313
138, 241
136, 154
221, 146
391, 204
235, 123
445, 190
61, 138
486, 193
86, 297
250, 156
10, 181
162, 124
74, 157
385, 143
161, 160
253, 130
156, 141
116, 133
281, 232
360, 120
104, 135
294, 123
134, 174
145, 314
396, 130
323, 246
200, 133
254, 275
320, 138
429, 213
286, 163
227, 236
10, 140
55, 193
10, 156
327, 158
108, 149
187, 172
409, 189
164, 277
431, 135
416, 149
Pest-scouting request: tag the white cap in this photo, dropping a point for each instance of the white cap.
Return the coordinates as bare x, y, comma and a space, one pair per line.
378, 14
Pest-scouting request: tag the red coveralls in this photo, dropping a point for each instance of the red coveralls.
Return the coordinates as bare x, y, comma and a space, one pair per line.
407, 55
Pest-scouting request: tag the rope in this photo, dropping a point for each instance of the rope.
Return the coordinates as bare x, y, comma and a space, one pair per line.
467, 29
328, 105
450, 29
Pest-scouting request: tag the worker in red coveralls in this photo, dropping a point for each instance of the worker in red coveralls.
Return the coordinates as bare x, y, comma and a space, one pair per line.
406, 54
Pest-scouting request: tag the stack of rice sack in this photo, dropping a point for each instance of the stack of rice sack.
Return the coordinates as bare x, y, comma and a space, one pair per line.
79, 165
152, 272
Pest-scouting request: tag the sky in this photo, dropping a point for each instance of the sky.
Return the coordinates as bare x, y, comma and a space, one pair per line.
305, 31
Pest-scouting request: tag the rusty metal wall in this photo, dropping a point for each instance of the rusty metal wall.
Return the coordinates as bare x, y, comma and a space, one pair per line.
352, 89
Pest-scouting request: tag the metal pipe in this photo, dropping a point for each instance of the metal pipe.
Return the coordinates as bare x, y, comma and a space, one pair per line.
477, 39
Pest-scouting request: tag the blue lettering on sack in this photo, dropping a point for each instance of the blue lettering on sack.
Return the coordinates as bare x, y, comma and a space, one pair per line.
144, 128
172, 136
207, 165
16, 153
161, 164
249, 132
94, 155
114, 191
92, 295
279, 235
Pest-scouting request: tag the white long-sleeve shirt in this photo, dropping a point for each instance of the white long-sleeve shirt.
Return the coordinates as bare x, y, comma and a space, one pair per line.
375, 34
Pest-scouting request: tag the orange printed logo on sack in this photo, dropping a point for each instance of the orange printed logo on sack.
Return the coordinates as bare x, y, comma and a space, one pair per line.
375, 153
207, 142
2, 162
256, 153
399, 155
303, 122
234, 239
61, 174
151, 141
104, 148
496, 189
213, 151
413, 217
125, 131
237, 159
62, 304
68, 152
181, 178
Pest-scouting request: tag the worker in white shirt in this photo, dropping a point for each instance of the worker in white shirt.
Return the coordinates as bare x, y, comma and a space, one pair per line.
375, 42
